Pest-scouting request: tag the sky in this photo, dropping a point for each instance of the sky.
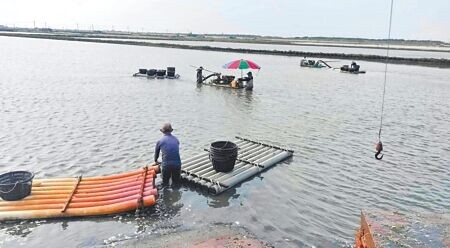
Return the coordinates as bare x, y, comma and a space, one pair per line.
412, 19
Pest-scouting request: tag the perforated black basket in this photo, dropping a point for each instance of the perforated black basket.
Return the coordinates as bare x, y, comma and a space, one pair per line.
15, 185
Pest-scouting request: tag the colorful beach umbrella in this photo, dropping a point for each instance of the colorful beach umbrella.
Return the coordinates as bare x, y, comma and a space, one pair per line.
241, 64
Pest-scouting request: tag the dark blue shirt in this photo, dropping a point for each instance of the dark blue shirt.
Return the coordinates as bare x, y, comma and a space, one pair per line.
170, 147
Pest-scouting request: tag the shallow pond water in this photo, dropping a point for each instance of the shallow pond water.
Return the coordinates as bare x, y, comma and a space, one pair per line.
71, 108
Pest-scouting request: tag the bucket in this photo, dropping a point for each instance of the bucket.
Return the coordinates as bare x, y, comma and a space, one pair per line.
151, 72
171, 71
223, 155
161, 73
15, 185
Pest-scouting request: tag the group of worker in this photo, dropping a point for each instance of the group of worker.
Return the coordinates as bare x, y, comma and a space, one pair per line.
234, 84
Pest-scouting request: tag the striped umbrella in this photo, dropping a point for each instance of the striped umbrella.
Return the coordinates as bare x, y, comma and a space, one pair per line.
241, 64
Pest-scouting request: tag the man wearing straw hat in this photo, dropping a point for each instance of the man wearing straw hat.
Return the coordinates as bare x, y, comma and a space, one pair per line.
170, 148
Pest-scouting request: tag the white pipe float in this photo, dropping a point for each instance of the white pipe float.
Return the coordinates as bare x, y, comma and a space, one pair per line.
253, 157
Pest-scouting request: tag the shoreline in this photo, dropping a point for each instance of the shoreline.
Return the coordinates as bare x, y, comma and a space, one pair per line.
429, 62
215, 235
375, 44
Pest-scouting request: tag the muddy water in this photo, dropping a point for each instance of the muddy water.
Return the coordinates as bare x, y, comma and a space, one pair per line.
70, 108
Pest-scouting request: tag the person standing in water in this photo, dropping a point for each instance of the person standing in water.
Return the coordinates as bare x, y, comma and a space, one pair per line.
249, 79
199, 75
171, 162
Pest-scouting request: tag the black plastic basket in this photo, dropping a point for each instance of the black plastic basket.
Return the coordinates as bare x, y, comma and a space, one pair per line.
223, 155
151, 72
161, 73
171, 71
15, 185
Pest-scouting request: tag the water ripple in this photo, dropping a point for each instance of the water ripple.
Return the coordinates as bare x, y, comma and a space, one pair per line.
86, 115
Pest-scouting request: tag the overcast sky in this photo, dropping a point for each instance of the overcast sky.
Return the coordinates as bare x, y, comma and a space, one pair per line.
412, 19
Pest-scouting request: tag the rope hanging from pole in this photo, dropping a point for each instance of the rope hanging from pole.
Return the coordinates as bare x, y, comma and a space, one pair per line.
379, 147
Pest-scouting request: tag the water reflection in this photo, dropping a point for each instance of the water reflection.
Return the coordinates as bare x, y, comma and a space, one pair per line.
64, 225
246, 95
327, 117
221, 200
21, 229
158, 217
216, 201
169, 203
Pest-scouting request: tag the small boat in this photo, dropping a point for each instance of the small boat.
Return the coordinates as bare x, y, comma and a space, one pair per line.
353, 69
235, 84
157, 73
224, 81
313, 63
225, 85
84, 196
364, 237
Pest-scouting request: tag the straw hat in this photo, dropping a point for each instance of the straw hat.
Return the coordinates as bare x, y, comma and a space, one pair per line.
166, 128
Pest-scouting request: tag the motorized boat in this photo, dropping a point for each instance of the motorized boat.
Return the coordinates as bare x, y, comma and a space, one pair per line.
313, 63
353, 68
226, 81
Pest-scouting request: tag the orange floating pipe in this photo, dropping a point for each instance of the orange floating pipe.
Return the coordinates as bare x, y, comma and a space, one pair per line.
59, 204
44, 194
64, 197
151, 169
50, 190
88, 180
71, 212
148, 191
69, 186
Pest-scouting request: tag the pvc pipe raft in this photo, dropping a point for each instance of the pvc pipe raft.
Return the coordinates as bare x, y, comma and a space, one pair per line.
84, 196
253, 157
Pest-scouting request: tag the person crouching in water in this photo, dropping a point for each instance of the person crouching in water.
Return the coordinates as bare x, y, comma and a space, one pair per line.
171, 162
249, 79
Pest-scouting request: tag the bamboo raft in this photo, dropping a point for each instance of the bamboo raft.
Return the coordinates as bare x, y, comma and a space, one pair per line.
253, 158
84, 196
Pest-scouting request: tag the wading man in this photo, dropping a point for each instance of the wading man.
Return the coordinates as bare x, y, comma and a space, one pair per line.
199, 75
169, 146
249, 79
